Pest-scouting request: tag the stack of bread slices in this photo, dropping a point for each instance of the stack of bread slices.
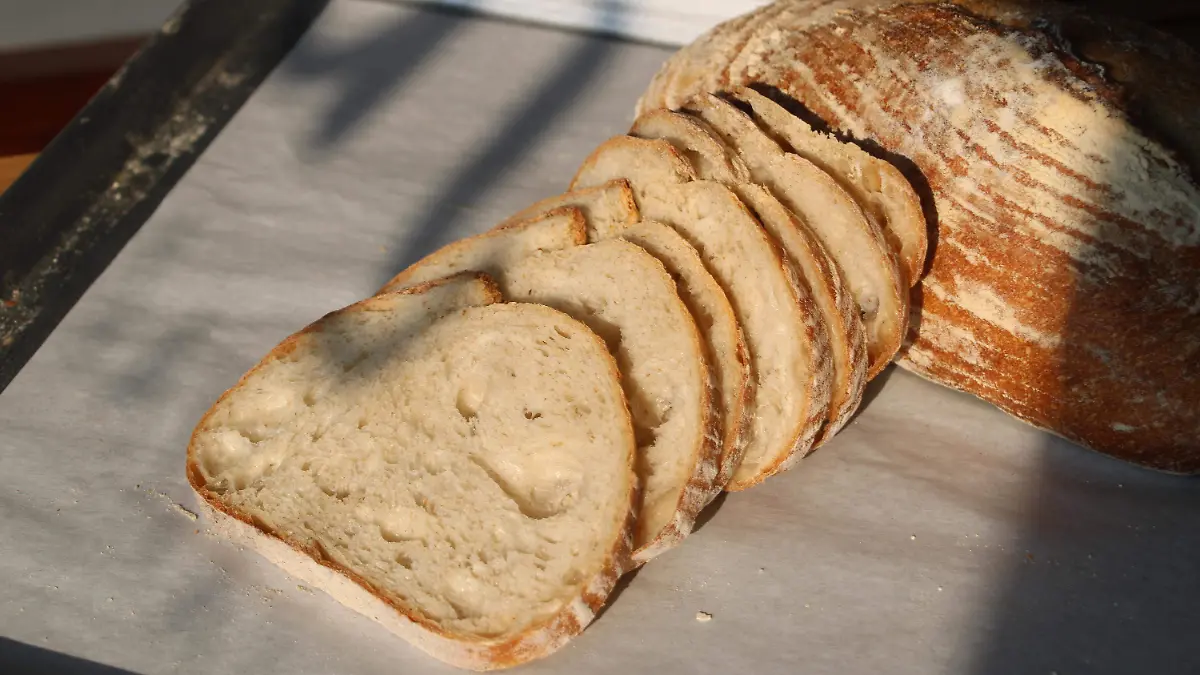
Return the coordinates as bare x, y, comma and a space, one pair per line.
473, 456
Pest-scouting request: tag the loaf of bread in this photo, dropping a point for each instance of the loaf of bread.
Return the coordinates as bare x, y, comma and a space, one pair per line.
1056, 152
460, 471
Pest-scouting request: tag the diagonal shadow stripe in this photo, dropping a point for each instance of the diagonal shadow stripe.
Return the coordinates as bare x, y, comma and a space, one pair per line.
515, 140
18, 658
369, 70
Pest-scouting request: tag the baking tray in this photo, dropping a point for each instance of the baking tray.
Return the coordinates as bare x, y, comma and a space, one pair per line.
934, 535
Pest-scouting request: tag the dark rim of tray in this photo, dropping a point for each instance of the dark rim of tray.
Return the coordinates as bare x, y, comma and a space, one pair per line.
65, 219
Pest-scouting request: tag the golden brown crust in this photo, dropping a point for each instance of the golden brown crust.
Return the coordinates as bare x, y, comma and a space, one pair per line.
847, 339
901, 219
577, 228
786, 173
816, 389
679, 167
710, 157
1065, 285
619, 189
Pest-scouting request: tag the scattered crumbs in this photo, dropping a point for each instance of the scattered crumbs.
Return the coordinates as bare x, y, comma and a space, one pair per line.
1029, 556
703, 617
176, 506
304, 588
913, 537
383, 249
761, 570
939, 589
806, 605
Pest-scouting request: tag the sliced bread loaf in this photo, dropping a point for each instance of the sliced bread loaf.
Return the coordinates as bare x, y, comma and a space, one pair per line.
725, 346
878, 187
790, 362
855, 242
839, 314
605, 207
498, 248
458, 471
841, 322
709, 156
626, 296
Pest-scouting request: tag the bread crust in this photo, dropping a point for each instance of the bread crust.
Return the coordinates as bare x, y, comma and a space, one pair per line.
840, 322
695, 138
314, 566
789, 170
703, 455
730, 427
900, 219
617, 190
834, 304
817, 389
577, 228
678, 168
1064, 284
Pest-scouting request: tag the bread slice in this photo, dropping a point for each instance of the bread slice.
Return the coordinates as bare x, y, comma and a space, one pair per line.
789, 357
839, 314
724, 343
498, 248
854, 242
461, 472
626, 296
639, 161
605, 207
877, 186
711, 158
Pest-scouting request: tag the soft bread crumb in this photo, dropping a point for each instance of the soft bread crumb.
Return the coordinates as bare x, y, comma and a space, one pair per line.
482, 518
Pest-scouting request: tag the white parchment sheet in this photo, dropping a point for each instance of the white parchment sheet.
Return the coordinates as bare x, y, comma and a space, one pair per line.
934, 535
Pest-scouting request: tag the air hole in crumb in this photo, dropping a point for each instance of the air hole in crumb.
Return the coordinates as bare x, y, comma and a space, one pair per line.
563, 332
403, 560
316, 435
338, 494
469, 399
310, 399
251, 435
362, 423
306, 466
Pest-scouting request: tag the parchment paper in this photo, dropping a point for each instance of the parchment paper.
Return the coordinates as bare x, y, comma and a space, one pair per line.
934, 535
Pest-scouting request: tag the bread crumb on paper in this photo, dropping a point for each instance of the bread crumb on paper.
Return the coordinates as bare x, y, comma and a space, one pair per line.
703, 617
